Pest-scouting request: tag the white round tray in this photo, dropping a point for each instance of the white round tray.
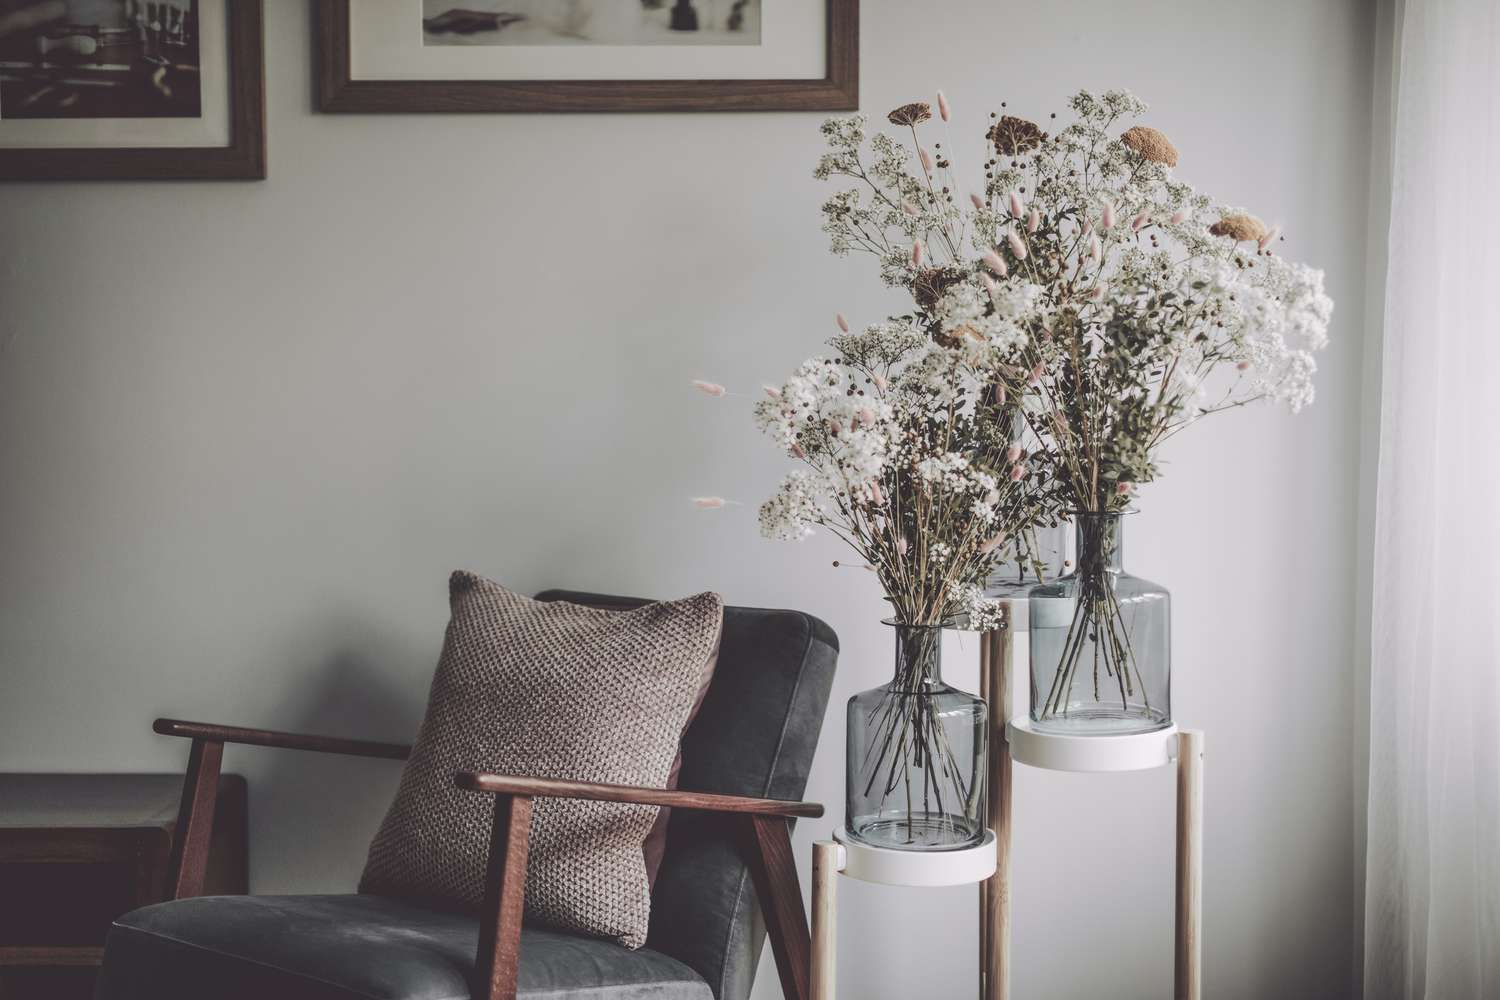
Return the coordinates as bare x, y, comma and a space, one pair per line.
1136, 752
922, 868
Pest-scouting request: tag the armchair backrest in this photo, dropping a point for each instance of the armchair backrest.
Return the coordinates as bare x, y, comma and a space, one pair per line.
754, 735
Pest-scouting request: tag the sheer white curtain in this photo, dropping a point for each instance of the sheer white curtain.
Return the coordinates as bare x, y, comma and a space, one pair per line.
1432, 883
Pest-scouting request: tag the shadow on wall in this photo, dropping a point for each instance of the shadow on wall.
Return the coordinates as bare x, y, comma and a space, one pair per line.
312, 815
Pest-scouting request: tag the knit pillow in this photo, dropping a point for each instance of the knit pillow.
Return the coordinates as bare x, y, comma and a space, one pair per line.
551, 690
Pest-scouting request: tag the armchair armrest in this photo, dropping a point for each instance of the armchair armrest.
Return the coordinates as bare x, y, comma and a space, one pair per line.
200, 785
286, 741
761, 828
547, 788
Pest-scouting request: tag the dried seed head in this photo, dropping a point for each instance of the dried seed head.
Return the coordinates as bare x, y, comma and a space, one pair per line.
932, 283
914, 113
1013, 136
1151, 144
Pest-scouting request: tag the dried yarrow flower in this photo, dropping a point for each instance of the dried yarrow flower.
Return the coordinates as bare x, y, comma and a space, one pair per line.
1013, 136
1151, 144
914, 113
1240, 226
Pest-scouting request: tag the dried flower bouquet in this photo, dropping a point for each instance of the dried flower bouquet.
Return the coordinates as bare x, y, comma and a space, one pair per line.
1120, 304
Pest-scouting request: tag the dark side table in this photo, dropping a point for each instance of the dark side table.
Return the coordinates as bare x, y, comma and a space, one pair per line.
78, 850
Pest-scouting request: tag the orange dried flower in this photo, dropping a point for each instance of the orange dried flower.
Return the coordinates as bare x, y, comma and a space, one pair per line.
1240, 226
1151, 144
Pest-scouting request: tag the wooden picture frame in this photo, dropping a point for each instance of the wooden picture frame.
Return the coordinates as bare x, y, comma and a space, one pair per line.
338, 91
244, 158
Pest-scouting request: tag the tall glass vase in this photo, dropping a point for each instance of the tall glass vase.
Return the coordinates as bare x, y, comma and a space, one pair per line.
1100, 642
917, 754
1031, 557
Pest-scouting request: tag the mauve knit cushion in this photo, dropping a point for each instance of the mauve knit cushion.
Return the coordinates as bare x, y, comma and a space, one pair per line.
552, 690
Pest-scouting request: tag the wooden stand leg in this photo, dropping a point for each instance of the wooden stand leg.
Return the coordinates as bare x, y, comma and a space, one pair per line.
1189, 865
985, 683
996, 655
827, 863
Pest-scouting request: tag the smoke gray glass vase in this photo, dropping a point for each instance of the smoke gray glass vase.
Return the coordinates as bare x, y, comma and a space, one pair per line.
1032, 557
1101, 642
917, 754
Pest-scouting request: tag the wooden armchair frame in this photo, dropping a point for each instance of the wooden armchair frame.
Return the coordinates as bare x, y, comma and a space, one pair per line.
762, 828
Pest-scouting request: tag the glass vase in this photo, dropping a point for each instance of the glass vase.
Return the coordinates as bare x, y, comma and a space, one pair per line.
917, 754
1032, 557
1100, 642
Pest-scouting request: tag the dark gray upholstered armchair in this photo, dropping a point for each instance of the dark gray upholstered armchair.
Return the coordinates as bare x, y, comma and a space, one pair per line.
745, 762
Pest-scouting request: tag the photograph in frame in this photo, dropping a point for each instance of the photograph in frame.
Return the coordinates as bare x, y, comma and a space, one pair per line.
132, 90
591, 22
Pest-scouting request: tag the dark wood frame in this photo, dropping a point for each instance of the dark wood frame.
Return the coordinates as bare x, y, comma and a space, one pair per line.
838, 90
243, 159
762, 826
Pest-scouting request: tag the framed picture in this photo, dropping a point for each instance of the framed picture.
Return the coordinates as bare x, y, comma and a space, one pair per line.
588, 55
132, 90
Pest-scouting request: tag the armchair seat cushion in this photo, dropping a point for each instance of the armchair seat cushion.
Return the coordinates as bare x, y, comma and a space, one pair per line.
358, 947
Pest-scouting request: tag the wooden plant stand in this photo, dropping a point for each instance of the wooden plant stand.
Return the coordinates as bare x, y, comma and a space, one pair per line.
1013, 740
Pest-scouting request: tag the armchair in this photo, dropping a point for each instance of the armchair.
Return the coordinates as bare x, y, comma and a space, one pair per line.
745, 761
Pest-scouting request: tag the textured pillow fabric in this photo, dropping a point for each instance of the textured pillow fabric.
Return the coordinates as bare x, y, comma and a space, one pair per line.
655, 847
553, 690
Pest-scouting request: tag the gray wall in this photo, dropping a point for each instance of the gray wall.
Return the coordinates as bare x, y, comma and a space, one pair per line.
247, 429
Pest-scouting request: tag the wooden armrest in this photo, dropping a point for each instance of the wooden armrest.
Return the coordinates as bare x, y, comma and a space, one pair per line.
286, 741
548, 788
200, 785
759, 826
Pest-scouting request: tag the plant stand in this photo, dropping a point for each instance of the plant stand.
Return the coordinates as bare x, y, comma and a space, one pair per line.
989, 863
841, 856
1013, 739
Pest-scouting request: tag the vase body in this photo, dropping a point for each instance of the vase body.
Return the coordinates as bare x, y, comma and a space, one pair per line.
1100, 642
917, 755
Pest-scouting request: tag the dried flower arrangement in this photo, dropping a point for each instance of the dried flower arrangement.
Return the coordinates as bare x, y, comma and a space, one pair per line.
1116, 305
1071, 310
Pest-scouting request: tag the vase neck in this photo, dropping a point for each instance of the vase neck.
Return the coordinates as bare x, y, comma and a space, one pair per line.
919, 656
1100, 543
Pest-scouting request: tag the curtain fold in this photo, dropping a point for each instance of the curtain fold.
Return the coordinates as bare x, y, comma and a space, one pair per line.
1432, 879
